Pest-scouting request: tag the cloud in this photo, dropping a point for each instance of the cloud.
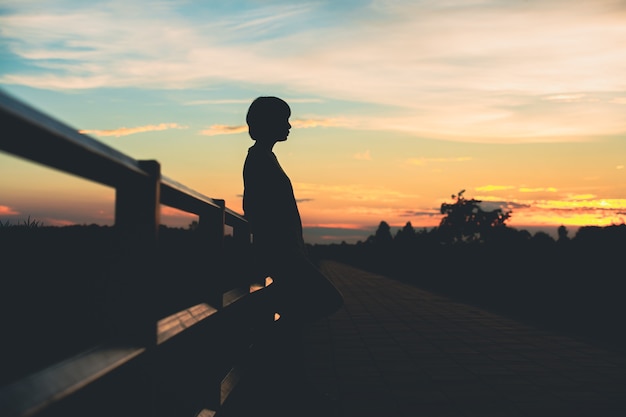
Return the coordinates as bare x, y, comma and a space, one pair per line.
490, 187
354, 192
591, 204
328, 122
8, 211
125, 131
363, 156
537, 189
573, 197
215, 130
51, 221
422, 213
567, 98
216, 102
427, 161
219, 129
247, 101
482, 71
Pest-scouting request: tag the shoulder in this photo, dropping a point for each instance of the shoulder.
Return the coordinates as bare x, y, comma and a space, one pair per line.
259, 157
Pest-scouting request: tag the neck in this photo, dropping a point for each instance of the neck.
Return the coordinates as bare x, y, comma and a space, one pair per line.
265, 145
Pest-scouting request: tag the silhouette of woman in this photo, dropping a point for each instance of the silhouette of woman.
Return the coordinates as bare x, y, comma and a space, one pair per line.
300, 293
303, 293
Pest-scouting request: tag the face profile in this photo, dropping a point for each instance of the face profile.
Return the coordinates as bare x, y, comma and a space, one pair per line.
268, 120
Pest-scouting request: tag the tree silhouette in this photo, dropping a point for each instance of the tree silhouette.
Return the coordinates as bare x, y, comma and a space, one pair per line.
382, 235
465, 221
406, 235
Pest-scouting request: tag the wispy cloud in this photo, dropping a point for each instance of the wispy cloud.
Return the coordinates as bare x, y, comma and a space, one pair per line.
354, 192
215, 130
216, 102
537, 189
125, 131
247, 101
363, 156
320, 122
568, 98
521, 189
219, 129
491, 187
427, 161
487, 71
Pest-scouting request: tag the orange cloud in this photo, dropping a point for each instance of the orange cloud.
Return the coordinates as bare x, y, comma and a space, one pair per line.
215, 130
49, 221
125, 131
350, 226
8, 211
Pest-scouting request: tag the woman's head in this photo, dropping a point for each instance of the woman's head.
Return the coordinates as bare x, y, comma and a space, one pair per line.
268, 119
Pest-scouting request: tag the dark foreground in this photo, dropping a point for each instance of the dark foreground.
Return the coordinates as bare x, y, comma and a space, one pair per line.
396, 350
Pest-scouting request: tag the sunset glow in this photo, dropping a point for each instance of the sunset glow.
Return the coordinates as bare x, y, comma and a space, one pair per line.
396, 105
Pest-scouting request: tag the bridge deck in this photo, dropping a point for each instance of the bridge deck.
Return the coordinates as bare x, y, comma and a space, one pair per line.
395, 350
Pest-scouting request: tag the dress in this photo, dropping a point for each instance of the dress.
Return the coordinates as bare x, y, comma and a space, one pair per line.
269, 204
304, 293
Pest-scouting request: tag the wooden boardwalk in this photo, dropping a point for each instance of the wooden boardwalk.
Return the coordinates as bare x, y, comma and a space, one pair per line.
395, 350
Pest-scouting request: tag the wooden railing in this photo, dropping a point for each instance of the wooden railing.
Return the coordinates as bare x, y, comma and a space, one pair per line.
157, 356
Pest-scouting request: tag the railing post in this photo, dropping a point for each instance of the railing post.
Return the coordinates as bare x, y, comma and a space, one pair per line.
132, 286
242, 239
137, 204
211, 228
134, 281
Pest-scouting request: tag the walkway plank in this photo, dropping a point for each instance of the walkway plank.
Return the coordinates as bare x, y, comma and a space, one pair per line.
395, 350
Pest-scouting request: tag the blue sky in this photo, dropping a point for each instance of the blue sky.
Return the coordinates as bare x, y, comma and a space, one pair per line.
396, 104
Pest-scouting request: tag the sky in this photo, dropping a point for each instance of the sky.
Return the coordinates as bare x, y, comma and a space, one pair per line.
396, 105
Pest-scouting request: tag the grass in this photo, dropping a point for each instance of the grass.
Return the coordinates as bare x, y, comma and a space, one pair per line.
28, 223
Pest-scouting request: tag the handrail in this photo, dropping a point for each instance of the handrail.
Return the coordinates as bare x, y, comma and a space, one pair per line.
176, 194
47, 141
34, 393
140, 189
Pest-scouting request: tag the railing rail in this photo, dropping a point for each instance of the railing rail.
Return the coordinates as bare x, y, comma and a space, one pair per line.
144, 338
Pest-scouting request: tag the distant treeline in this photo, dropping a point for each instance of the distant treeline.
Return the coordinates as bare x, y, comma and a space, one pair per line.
568, 284
572, 285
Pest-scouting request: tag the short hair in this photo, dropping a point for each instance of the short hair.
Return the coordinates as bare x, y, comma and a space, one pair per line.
263, 112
